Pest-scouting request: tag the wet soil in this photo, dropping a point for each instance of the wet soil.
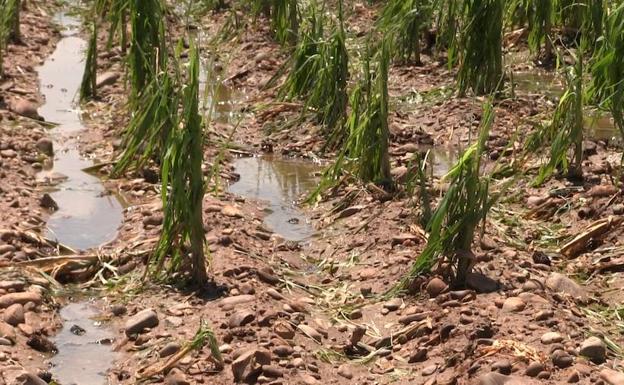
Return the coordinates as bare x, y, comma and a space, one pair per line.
304, 301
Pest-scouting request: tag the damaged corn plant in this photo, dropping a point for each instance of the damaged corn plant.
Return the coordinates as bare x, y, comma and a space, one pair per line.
451, 229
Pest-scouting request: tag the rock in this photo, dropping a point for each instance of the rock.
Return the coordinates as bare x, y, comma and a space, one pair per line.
14, 314
230, 303
612, 377
513, 305
480, 283
241, 318
543, 315
559, 283
283, 351
435, 287
7, 332
244, 364
358, 333
573, 378
345, 371
429, 370
41, 343
176, 377
25, 108
21, 298
419, 355
45, 146
487, 243
393, 304
48, 202
231, 211
272, 371
494, 378
594, 349
26, 378
310, 332
602, 190
284, 330
534, 369
267, 275
169, 349
551, 338
144, 319
153, 220
118, 310
502, 366
561, 359
308, 379
106, 79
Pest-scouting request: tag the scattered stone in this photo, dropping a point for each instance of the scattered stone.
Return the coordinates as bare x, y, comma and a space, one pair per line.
243, 365
118, 310
169, 349
26, 378
14, 314
494, 378
176, 377
393, 305
534, 369
513, 305
435, 287
106, 79
45, 146
241, 318
358, 333
144, 319
543, 315
480, 283
25, 108
559, 283
612, 377
7, 332
21, 298
283, 351
153, 220
561, 359
48, 202
41, 343
429, 370
594, 349
418, 355
573, 378
231, 211
551, 338
310, 332
345, 371
267, 275
272, 371
600, 191
502, 366
284, 330
230, 303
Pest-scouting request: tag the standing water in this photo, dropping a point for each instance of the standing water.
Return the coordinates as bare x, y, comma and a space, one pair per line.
281, 183
87, 217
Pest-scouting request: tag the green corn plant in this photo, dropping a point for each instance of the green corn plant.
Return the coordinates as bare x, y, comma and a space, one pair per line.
405, 21
566, 129
607, 69
11, 19
447, 25
116, 13
88, 87
284, 16
365, 150
481, 58
183, 185
454, 222
540, 15
148, 53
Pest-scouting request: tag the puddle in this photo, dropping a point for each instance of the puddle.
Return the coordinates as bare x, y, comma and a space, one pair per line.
539, 83
280, 183
226, 101
600, 126
84, 347
88, 215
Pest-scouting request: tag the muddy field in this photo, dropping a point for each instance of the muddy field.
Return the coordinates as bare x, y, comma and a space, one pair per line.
298, 293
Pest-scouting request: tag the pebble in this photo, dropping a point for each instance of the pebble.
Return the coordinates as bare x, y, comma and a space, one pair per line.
562, 359
310, 332
534, 369
513, 305
144, 319
26, 378
47, 202
241, 318
480, 283
419, 355
345, 371
543, 315
21, 298
267, 275
176, 377
594, 349
26, 108
612, 377
7, 332
284, 330
46, 146
283, 350
230, 303
14, 314
551, 338
393, 305
118, 310
559, 283
272, 371
231, 211
429, 370
435, 287
502, 366
169, 349
107, 78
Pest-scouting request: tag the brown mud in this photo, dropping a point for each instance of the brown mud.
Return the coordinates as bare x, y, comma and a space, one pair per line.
300, 290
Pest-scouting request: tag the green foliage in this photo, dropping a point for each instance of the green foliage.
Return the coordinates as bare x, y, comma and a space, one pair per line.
453, 224
607, 87
89, 78
116, 13
404, 21
283, 15
566, 129
183, 185
319, 73
480, 55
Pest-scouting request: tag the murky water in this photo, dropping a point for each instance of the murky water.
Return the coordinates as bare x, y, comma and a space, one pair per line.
280, 183
88, 215
224, 101
538, 83
84, 352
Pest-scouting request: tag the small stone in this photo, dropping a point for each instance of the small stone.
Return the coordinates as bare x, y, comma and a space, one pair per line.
345, 371
419, 355
21, 298
48, 202
169, 349
480, 283
559, 283
267, 275
7, 332
272, 371
231, 211
176, 377
310, 332
551, 338
26, 378
513, 305
612, 377
284, 330
429, 370
118, 310
534, 369
241, 318
46, 146
393, 305
106, 79
14, 314
283, 351
562, 359
230, 303
435, 287
25, 108
502, 366
573, 378
144, 319
543, 315
592, 348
